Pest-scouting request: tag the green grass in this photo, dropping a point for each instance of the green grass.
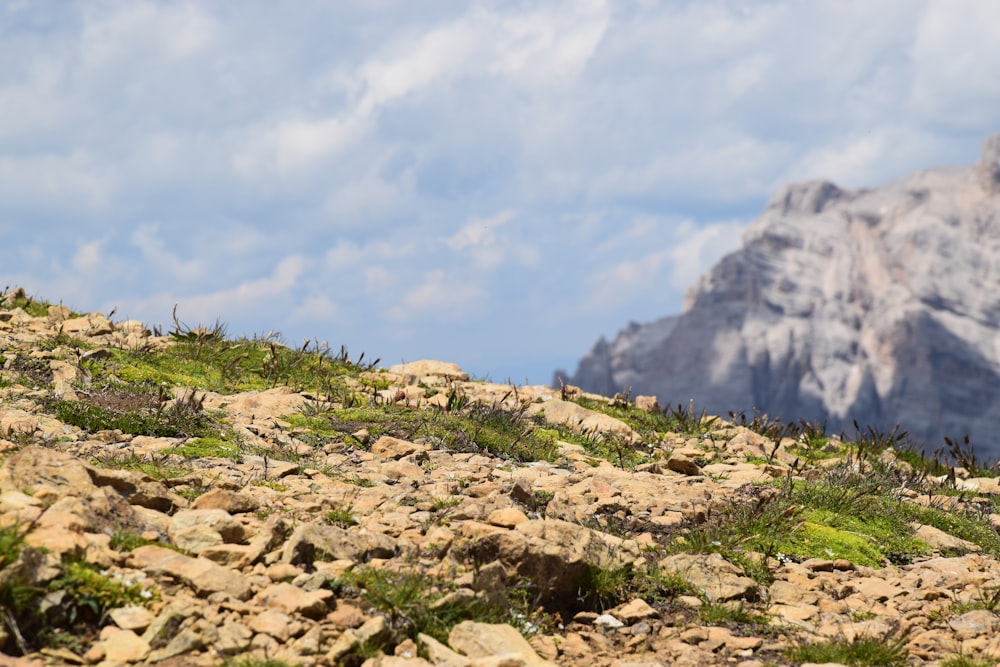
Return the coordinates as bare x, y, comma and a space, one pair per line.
342, 516
603, 588
416, 603
89, 594
733, 615
862, 652
489, 428
965, 660
651, 426
208, 447
213, 363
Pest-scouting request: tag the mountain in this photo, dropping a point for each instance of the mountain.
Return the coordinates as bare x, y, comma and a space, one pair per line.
881, 305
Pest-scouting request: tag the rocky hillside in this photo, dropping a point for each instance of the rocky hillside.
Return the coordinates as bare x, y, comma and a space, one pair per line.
185, 498
879, 305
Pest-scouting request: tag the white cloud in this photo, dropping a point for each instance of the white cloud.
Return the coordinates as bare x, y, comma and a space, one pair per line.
315, 308
165, 31
154, 251
88, 256
685, 251
478, 232
228, 302
439, 295
386, 144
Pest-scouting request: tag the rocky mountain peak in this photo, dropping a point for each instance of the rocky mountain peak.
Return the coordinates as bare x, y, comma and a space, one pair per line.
989, 165
880, 305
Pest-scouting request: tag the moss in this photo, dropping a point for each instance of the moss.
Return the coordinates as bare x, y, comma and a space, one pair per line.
204, 447
813, 540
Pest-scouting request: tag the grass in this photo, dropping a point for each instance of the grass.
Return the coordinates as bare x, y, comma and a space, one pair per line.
415, 603
206, 359
88, 594
490, 428
603, 588
734, 615
208, 447
965, 660
9, 300
137, 409
861, 652
342, 516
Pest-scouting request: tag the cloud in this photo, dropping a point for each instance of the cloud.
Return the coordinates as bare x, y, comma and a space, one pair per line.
463, 163
439, 295
685, 251
229, 302
88, 256
154, 251
478, 232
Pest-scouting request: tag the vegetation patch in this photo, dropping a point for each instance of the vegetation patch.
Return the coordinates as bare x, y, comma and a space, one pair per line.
205, 447
489, 428
862, 652
415, 603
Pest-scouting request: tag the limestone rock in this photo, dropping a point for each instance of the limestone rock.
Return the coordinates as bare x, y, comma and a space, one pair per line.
201, 574
484, 640
316, 541
881, 305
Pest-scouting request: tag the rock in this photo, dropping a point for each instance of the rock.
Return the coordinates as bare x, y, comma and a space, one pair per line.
484, 640
293, 600
201, 574
439, 654
233, 502
273, 622
875, 305
506, 518
394, 448
717, 578
581, 420
131, 618
316, 541
635, 611
220, 521
553, 554
425, 369
124, 646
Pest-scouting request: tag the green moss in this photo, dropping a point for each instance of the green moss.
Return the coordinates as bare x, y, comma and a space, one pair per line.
814, 540
210, 362
205, 447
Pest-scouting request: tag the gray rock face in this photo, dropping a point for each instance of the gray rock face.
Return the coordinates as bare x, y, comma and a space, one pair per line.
880, 305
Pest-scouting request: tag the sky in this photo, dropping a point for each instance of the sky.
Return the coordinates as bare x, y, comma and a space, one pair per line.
495, 184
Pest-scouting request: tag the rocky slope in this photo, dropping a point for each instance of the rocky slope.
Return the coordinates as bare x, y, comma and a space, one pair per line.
880, 305
189, 499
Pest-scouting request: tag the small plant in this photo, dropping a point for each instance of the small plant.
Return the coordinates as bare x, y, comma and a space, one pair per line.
602, 588
125, 540
88, 594
686, 421
966, 660
445, 503
341, 516
772, 429
861, 652
255, 661
716, 614
411, 600
964, 454
17, 594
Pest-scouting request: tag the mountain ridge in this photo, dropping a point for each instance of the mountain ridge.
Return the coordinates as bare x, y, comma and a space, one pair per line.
879, 305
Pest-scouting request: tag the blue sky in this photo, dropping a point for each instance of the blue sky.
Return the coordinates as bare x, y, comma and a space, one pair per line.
490, 183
